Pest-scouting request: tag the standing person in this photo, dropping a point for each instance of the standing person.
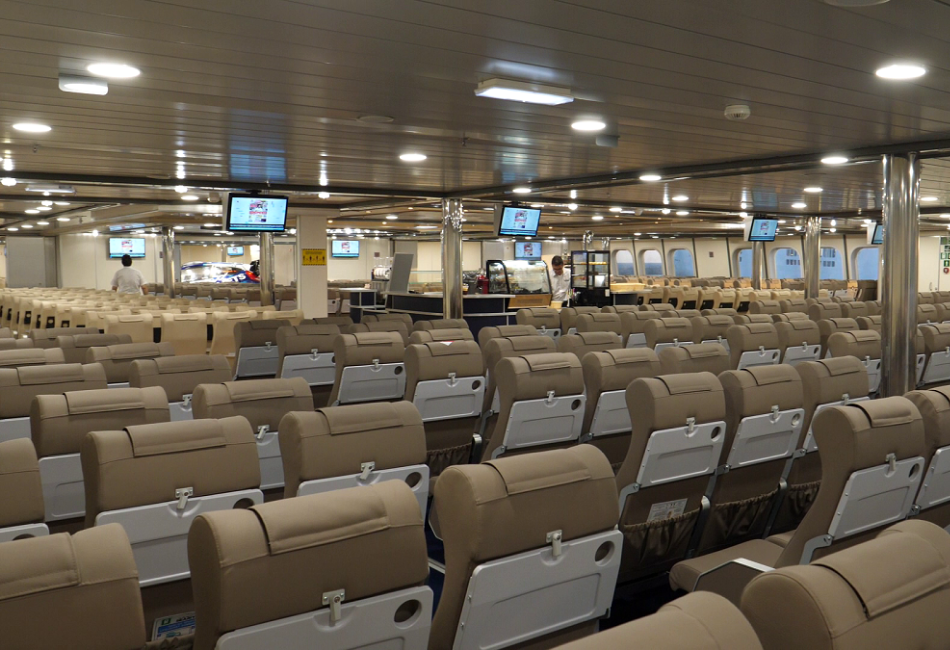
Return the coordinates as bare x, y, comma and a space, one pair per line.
560, 280
127, 279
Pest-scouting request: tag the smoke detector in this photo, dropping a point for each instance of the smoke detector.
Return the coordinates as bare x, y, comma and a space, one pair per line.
738, 112
855, 3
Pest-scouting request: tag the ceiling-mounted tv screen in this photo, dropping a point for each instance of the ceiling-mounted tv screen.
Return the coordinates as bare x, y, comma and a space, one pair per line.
527, 250
235, 251
345, 248
253, 213
878, 237
518, 221
762, 229
131, 246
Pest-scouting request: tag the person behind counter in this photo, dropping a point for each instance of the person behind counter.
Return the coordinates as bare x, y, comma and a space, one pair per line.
560, 280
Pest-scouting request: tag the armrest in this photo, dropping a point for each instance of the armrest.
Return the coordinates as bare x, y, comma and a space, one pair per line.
730, 579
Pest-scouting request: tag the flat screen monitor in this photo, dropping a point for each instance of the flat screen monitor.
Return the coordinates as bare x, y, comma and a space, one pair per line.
878, 237
132, 246
345, 248
235, 251
527, 250
762, 229
517, 221
252, 213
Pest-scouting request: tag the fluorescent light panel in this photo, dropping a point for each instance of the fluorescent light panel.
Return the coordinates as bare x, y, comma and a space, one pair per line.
69, 83
520, 91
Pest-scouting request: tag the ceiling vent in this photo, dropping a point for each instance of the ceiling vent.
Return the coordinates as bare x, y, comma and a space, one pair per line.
738, 112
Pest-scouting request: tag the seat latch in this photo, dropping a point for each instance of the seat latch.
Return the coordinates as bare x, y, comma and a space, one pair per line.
335, 600
366, 469
891, 461
268, 345
776, 414
375, 364
690, 425
186, 401
183, 494
555, 538
262, 431
453, 379
313, 354
762, 350
550, 397
845, 399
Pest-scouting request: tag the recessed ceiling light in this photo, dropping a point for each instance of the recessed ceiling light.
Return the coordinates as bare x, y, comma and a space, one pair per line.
8, 164
375, 119
832, 230
649, 178
616, 209
929, 199
681, 198
520, 91
637, 234
51, 189
32, 211
62, 219
682, 213
13, 229
597, 217
799, 205
665, 211
8, 182
572, 206
834, 160
46, 203
83, 85
181, 189
323, 195
189, 197
588, 125
798, 227
901, 71
211, 225
522, 190
413, 157
573, 194
42, 223
391, 217
814, 190
32, 127
781, 221
44, 208
179, 227
28, 226
427, 227
113, 70
61, 202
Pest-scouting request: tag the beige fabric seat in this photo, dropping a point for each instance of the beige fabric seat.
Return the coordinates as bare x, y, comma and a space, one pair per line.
138, 326
188, 333
702, 357
341, 447
155, 479
60, 422
661, 308
57, 592
754, 344
932, 503
356, 556
420, 337
405, 319
799, 341
678, 435
446, 383
583, 342
664, 333
722, 311
820, 311
854, 310
791, 316
21, 510
712, 329
619, 309
76, 347
389, 325
179, 376
747, 318
700, 621
504, 331
865, 345
544, 319
222, 341
937, 350
830, 326
494, 351
685, 297
606, 417
307, 351
441, 324
15, 344
568, 319
633, 327
263, 402
117, 360
872, 464
927, 313
765, 307
598, 322
369, 368
255, 344
48, 338
292, 316
681, 313
508, 517
890, 592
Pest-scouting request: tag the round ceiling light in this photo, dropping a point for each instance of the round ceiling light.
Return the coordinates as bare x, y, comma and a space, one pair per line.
901, 71
522, 190
113, 70
834, 160
649, 178
799, 205
189, 197
32, 127
8, 182
814, 190
413, 157
588, 125
680, 198
32, 211
597, 217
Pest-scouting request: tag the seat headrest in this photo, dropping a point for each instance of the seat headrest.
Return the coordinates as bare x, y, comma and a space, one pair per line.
441, 324
701, 357
434, 360
505, 331
436, 335
597, 338
667, 401
129, 351
598, 322
187, 363
363, 348
30, 357
534, 376
666, 330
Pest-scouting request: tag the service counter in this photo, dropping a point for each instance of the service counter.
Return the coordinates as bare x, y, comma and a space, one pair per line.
480, 310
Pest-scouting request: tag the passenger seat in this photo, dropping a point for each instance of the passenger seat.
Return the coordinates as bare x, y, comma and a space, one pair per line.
117, 360
799, 341
755, 344
369, 368
21, 510
255, 344
76, 346
703, 357
584, 342
179, 376
545, 319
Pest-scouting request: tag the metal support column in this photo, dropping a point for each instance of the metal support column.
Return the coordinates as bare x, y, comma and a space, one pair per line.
267, 268
758, 252
452, 258
812, 255
168, 261
899, 267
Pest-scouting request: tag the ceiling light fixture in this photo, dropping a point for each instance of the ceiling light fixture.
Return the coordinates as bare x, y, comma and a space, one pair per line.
8, 182
323, 195
413, 157
521, 91
834, 222
189, 197
665, 211
62, 219
44, 208
69, 83
42, 223
682, 213
211, 225
181, 189
597, 217
616, 209
799, 205
834, 160
573, 194
46, 203
32, 127
391, 217
8, 164
650, 178
28, 226
832, 230
113, 70
31, 211
929, 199
797, 227
680, 198
13, 229
637, 234
51, 189
901, 71
588, 125
814, 190
522, 190
61, 202
178, 227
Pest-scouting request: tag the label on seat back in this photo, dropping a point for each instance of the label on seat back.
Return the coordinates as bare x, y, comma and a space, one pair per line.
666, 510
170, 627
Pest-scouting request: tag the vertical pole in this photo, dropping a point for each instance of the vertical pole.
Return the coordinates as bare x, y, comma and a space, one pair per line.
312, 278
812, 251
267, 268
452, 258
901, 242
758, 250
168, 261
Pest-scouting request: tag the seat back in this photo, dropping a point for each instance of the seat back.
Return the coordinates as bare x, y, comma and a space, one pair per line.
606, 377
830, 382
937, 348
598, 322
546, 320
179, 376
441, 335
701, 357
791, 316
583, 342
263, 402
155, 479
505, 331
137, 326
933, 499
712, 329
445, 381
681, 313
668, 332
117, 360
660, 307
927, 313
541, 403
678, 433
830, 326
799, 341
15, 358
76, 346
545, 517
188, 333
824, 311
886, 593
370, 543
369, 368
499, 348
405, 319
441, 324
568, 319
20, 517
306, 350
854, 310
47, 338
632, 327
765, 307
59, 589
390, 325
222, 340
871, 468
870, 323
754, 344
291, 316
255, 344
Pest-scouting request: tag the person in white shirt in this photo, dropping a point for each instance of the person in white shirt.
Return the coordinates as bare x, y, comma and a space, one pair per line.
127, 279
560, 280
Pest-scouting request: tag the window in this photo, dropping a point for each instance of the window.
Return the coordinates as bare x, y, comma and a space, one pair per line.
832, 266
787, 264
652, 262
744, 262
682, 263
866, 263
623, 262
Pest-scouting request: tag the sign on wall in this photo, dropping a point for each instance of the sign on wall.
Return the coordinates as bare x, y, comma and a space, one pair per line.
313, 256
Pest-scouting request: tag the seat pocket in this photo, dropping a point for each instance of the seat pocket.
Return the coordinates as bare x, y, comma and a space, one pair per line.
736, 521
660, 541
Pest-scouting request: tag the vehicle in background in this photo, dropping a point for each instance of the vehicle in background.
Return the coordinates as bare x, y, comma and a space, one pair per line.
220, 272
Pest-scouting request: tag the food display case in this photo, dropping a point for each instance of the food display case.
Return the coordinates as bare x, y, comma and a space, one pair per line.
590, 277
518, 277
